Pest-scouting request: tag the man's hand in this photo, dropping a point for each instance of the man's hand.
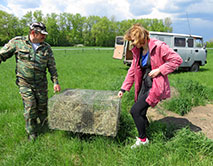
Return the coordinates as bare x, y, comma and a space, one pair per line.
154, 73
57, 88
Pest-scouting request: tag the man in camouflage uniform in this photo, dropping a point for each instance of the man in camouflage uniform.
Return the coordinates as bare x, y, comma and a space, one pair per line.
33, 58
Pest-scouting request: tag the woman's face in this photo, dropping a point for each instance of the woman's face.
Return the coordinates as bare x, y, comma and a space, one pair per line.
138, 44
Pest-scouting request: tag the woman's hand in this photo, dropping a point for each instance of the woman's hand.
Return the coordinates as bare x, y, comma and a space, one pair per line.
154, 73
57, 88
120, 94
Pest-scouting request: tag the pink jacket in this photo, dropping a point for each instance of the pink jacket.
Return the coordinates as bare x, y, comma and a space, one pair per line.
162, 57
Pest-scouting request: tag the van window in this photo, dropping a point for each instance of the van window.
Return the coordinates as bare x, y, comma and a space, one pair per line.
119, 40
180, 42
161, 38
198, 42
190, 42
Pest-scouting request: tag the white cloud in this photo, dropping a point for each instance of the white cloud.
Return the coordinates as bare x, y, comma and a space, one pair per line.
200, 11
19, 7
159, 9
206, 6
117, 8
157, 14
24, 3
161, 4
3, 8
52, 6
138, 7
197, 22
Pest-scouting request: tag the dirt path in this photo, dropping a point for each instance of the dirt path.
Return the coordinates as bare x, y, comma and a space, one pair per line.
199, 118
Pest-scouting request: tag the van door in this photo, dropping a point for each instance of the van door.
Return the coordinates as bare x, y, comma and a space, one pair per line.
184, 51
119, 47
199, 51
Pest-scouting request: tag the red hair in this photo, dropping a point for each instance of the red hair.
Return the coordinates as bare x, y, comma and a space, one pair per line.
137, 33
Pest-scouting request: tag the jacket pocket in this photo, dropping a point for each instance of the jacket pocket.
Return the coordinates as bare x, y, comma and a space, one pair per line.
158, 86
24, 54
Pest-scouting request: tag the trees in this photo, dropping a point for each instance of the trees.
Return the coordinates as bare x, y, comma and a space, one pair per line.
104, 32
51, 22
89, 39
9, 27
209, 44
68, 29
28, 18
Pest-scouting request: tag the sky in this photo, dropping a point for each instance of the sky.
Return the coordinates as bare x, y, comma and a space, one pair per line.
188, 16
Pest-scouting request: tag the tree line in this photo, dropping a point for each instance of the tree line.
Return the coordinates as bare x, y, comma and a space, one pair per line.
209, 44
68, 29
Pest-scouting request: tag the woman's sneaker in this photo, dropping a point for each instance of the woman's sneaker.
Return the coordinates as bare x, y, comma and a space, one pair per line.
139, 143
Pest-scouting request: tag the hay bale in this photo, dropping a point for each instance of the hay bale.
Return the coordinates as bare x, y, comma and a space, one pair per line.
85, 111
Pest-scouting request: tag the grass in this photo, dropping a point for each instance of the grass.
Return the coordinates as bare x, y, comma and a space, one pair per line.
195, 88
191, 93
95, 69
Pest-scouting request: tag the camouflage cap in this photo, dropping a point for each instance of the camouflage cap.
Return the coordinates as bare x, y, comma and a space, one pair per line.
40, 27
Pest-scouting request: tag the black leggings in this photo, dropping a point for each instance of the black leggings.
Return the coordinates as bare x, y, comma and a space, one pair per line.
138, 112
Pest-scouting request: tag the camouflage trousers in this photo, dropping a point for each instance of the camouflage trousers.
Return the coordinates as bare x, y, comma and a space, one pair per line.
35, 100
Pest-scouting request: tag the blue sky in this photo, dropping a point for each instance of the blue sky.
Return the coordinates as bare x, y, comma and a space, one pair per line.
198, 12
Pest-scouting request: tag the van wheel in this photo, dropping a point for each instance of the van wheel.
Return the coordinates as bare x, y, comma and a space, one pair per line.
195, 67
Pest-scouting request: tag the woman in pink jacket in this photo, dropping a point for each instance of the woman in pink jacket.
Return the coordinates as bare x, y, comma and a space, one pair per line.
152, 61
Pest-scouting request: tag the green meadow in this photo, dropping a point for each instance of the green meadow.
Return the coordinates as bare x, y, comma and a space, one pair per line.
96, 69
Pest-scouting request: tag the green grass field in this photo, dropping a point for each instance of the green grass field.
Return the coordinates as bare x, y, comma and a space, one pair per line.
96, 69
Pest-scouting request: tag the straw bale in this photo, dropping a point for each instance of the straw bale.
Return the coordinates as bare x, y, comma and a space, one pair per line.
85, 111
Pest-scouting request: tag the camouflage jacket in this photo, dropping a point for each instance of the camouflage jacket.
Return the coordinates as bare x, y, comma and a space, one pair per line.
30, 65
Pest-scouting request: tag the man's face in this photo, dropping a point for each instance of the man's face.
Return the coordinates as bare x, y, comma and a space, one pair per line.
39, 37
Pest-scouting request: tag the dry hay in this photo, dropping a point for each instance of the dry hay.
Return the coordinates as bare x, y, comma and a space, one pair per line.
85, 111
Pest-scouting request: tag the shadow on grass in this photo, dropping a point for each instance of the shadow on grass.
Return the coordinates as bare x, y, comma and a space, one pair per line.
43, 129
169, 126
203, 70
127, 130
81, 136
180, 123
86, 137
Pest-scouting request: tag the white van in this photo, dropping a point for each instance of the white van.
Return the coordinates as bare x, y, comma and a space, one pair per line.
189, 47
